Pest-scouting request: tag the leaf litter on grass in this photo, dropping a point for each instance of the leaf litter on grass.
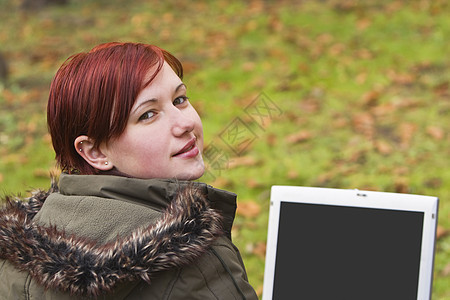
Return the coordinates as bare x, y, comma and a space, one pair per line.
363, 87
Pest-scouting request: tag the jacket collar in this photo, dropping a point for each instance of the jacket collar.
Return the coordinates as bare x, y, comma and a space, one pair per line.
156, 193
187, 229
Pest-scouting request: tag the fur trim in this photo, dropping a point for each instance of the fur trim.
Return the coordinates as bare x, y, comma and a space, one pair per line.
80, 267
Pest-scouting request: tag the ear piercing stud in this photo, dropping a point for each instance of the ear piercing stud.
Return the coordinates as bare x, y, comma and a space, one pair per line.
106, 163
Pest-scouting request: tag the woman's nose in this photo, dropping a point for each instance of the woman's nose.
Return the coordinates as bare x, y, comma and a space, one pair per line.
182, 122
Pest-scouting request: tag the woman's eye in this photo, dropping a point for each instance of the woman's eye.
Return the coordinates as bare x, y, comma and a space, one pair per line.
180, 100
147, 115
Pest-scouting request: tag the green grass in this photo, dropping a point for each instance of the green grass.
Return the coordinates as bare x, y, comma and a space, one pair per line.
368, 81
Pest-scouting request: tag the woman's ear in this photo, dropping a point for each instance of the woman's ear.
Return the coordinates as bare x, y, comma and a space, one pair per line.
91, 154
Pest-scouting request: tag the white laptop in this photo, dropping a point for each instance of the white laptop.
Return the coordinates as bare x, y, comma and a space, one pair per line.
348, 244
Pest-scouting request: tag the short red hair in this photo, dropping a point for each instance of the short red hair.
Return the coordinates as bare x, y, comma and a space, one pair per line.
92, 94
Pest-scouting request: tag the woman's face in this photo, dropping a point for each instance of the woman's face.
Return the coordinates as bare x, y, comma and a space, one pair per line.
164, 134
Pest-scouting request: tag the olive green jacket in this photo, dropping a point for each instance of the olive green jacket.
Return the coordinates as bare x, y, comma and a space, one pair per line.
111, 237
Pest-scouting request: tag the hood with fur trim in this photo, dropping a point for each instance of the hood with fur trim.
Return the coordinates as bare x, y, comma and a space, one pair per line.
68, 263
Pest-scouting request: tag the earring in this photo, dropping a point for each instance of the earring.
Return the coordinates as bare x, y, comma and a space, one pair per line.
106, 163
81, 150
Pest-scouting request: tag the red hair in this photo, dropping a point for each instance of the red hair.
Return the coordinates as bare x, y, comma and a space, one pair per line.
92, 94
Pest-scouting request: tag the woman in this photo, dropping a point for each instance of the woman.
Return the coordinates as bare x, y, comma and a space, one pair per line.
125, 221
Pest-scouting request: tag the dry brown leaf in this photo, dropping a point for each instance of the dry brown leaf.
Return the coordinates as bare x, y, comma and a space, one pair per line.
292, 174
310, 105
442, 89
371, 98
401, 170
383, 147
383, 109
364, 123
401, 78
363, 23
401, 185
361, 78
221, 182
441, 232
253, 183
242, 161
364, 54
446, 271
340, 122
248, 209
190, 67
298, 137
248, 66
259, 291
407, 103
8, 96
271, 139
436, 132
336, 49
42, 173
407, 131
260, 250
434, 183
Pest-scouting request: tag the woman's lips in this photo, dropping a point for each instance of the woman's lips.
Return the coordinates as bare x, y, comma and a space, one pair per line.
190, 150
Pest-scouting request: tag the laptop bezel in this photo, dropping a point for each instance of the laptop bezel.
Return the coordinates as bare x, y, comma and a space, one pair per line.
355, 198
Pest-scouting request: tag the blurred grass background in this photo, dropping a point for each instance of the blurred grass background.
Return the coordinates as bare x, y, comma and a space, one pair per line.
358, 95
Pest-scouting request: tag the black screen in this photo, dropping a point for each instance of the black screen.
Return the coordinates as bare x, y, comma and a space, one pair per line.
334, 252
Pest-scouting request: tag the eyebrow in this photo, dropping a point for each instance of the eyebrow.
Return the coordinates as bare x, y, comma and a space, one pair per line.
155, 99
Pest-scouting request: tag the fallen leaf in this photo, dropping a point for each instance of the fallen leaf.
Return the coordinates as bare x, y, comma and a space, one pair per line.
359, 156
336, 49
248, 209
364, 123
271, 139
253, 183
446, 271
189, 66
383, 109
361, 78
310, 105
401, 170
441, 232
292, 174
364, 54
248, 66
259, 290
407, 103
371, 98
401, 185
436, 132
434, 183
401, 78
383, 147
363, 23
41, 173
298, 137
242, 161
407, 131
442, 89
221, 182
260, 250
340, 122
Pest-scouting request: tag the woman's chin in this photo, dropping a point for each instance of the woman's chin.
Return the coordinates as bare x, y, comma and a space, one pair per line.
193, 175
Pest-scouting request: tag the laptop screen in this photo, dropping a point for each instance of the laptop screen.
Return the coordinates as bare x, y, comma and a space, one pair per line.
336, 252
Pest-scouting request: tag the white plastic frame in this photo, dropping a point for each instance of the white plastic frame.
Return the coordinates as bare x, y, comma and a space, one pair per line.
355, 198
